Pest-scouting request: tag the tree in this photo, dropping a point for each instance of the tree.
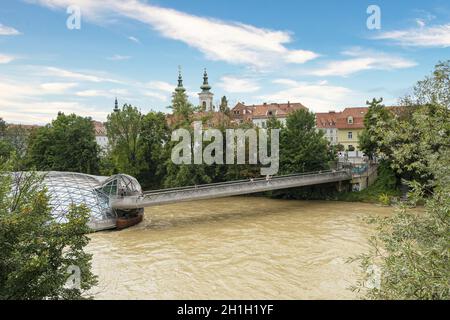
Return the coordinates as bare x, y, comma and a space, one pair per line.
3, 127
302, 147
18, 136
155, 136
124, 134
38, 253
224, 106
376, 117
410, 248
182, 109
409, 144
67, 144
434, 89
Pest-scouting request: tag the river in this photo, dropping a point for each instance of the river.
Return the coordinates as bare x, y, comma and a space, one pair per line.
235, 248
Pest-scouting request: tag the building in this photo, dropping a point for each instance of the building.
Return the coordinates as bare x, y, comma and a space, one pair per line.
100, 135
206, 96
327, 122
260, 114
350, 123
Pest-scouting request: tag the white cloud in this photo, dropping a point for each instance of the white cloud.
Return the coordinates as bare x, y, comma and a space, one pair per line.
361, 60
8, 31
423, 36
232, 42
318, 97
238, 85
161, 86
81, 76
4, 58
93, 93
156, 95
57, 87
118, 57
22, 102
134, 39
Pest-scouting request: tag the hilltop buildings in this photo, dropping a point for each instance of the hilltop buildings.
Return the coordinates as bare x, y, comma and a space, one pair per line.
343, 127
260, 114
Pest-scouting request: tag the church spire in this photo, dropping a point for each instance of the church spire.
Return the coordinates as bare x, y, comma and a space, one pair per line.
205, 86
180, 81
116, 106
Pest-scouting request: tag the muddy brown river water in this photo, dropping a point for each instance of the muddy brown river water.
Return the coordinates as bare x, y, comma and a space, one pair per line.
235, 248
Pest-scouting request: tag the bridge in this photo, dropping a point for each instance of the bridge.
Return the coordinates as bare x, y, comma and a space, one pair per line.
226, 189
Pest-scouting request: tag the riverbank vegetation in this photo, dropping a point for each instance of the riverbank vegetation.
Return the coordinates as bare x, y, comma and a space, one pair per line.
409, 253
41, 258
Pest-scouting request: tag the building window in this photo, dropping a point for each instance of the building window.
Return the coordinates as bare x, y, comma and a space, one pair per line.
350, 120
350, 135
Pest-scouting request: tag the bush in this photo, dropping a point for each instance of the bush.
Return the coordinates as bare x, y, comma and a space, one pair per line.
410, 249
38, 253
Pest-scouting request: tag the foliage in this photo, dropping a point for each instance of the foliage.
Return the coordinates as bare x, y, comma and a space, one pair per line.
224, 106
384, 199
434, 89
36, 250
14, 140
182, 109
408, 144
155, 134
386, 183
124, 135
411, 251
411, 247
67, 144
302, 147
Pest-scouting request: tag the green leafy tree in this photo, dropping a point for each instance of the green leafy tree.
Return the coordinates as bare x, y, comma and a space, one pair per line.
124, 135
182, 109
408, 144
224, 106
434, 89
39, 254
19, 136
376, 117
410, 250
302, 147
155, 136
67, 144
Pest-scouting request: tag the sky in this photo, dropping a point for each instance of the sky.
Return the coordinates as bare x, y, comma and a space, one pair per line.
320, 53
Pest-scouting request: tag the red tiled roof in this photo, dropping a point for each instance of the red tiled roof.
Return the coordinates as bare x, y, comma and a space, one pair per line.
357, 113
278, 110
326, 119
99, 128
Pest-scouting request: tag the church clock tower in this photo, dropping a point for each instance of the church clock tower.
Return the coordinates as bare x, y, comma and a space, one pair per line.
206, 96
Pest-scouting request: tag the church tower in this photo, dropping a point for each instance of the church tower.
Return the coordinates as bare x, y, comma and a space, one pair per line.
116, 106
180, 87
206, 96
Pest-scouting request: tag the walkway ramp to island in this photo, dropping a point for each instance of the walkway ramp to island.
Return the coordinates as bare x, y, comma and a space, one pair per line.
231, 188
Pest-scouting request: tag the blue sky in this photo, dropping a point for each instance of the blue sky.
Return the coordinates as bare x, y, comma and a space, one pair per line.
319, 53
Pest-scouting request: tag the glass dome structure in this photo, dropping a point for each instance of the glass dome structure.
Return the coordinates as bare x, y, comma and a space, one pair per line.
96, 192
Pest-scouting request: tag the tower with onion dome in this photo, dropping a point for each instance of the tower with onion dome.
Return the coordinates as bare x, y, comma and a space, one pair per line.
206, 96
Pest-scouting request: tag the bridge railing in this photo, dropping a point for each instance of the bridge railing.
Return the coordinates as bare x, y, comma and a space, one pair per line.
236, 182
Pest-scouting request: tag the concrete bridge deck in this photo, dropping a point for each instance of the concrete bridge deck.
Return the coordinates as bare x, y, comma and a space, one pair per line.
226, 189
